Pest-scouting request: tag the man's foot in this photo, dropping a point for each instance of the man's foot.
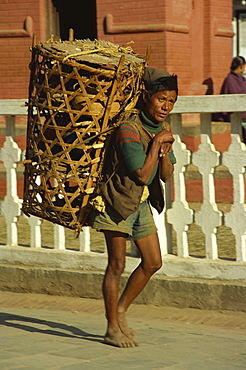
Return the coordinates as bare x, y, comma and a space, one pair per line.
118, 339
124, 326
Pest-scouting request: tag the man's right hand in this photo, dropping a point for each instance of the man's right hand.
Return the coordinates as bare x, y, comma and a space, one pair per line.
164, 139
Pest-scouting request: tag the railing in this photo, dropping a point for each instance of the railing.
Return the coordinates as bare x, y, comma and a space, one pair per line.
206, 159
178, 215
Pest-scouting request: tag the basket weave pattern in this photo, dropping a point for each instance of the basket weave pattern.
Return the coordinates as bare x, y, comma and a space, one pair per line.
79, 91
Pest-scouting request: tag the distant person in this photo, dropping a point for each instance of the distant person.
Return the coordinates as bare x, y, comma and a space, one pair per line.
235, 83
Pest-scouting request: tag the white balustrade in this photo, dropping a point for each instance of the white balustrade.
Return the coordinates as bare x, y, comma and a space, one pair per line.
235, 160
178, 213
59, 237
10, 207
84, 238
35, 231
206, 159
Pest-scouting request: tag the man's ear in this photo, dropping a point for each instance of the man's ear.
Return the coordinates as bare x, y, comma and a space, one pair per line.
145, 96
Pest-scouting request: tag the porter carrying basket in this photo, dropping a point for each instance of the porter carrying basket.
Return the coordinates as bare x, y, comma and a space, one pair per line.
79, 91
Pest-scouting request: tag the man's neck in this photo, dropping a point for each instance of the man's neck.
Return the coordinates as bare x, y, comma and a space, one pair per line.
152, 127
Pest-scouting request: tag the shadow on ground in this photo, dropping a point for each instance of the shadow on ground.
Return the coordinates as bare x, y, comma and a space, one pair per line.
30, 324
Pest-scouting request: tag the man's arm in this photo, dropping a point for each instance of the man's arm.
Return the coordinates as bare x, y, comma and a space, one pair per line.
160, 148
136, 160
166, 168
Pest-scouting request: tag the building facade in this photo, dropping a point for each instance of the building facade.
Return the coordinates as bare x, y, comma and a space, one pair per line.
191, 38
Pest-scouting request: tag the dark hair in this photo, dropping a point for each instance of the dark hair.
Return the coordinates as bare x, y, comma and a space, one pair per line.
237, 62
164, 83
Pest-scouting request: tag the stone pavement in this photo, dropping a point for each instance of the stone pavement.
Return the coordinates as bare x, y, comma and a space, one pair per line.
49, 332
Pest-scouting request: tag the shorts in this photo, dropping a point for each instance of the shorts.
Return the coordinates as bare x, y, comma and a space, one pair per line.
138, 225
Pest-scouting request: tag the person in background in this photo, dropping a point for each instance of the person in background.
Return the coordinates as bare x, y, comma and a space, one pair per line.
235, 83
139, 155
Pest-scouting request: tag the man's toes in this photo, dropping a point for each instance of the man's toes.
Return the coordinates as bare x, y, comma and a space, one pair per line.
120, 341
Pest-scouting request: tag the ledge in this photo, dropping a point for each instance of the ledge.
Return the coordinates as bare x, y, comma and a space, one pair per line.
110, 28
173, 267
160, 291
12, 107
220, 31
224, 33
27, 31
210, 103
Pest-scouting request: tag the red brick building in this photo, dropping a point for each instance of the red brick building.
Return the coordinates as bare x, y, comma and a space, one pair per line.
192, 38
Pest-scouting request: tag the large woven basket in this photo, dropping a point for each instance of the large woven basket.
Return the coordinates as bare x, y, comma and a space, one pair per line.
79, 91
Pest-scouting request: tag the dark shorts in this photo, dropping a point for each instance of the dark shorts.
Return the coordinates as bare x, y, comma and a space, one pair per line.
138, 225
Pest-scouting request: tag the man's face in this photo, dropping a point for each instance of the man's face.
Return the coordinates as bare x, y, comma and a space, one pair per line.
159, 105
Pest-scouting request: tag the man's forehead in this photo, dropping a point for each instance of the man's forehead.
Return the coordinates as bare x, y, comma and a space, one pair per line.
165, 93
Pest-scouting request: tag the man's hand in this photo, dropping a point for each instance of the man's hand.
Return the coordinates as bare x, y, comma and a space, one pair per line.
165, 140
166, 148
160, 146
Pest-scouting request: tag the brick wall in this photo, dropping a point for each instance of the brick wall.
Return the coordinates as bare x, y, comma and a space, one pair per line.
201, 33
197, 46
15, 45
134, 13
217, 41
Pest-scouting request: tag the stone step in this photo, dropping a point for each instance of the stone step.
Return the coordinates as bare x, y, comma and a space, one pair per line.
161, 290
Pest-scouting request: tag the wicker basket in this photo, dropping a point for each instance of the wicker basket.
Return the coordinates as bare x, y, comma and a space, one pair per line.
79, 91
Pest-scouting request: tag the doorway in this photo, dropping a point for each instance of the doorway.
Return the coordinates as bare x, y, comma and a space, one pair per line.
79, 15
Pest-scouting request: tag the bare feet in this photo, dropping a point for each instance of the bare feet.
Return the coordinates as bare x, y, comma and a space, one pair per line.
124, 326
118, 339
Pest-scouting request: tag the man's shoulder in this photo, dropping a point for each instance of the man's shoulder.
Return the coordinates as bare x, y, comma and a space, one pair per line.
133, 123
128, 131
133, 119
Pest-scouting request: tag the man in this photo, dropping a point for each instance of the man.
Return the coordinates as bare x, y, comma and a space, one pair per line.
139, 153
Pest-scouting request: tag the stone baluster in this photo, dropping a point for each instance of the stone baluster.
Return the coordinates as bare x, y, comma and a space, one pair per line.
35, 225
180, 215
84, 239
10, 207
59, 237
35, 231
235, 160
209, 217
59, 232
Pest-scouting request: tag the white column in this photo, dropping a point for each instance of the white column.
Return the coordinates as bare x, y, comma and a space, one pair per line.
235, 160
11, 205
180, 215
209, 217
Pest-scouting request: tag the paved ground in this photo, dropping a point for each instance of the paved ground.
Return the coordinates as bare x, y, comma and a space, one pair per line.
47, 332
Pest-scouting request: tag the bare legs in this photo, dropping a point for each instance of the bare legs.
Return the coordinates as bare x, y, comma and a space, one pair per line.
118, 333
116, 245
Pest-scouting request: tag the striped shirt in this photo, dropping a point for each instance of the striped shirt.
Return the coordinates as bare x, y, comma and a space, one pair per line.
129, 143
